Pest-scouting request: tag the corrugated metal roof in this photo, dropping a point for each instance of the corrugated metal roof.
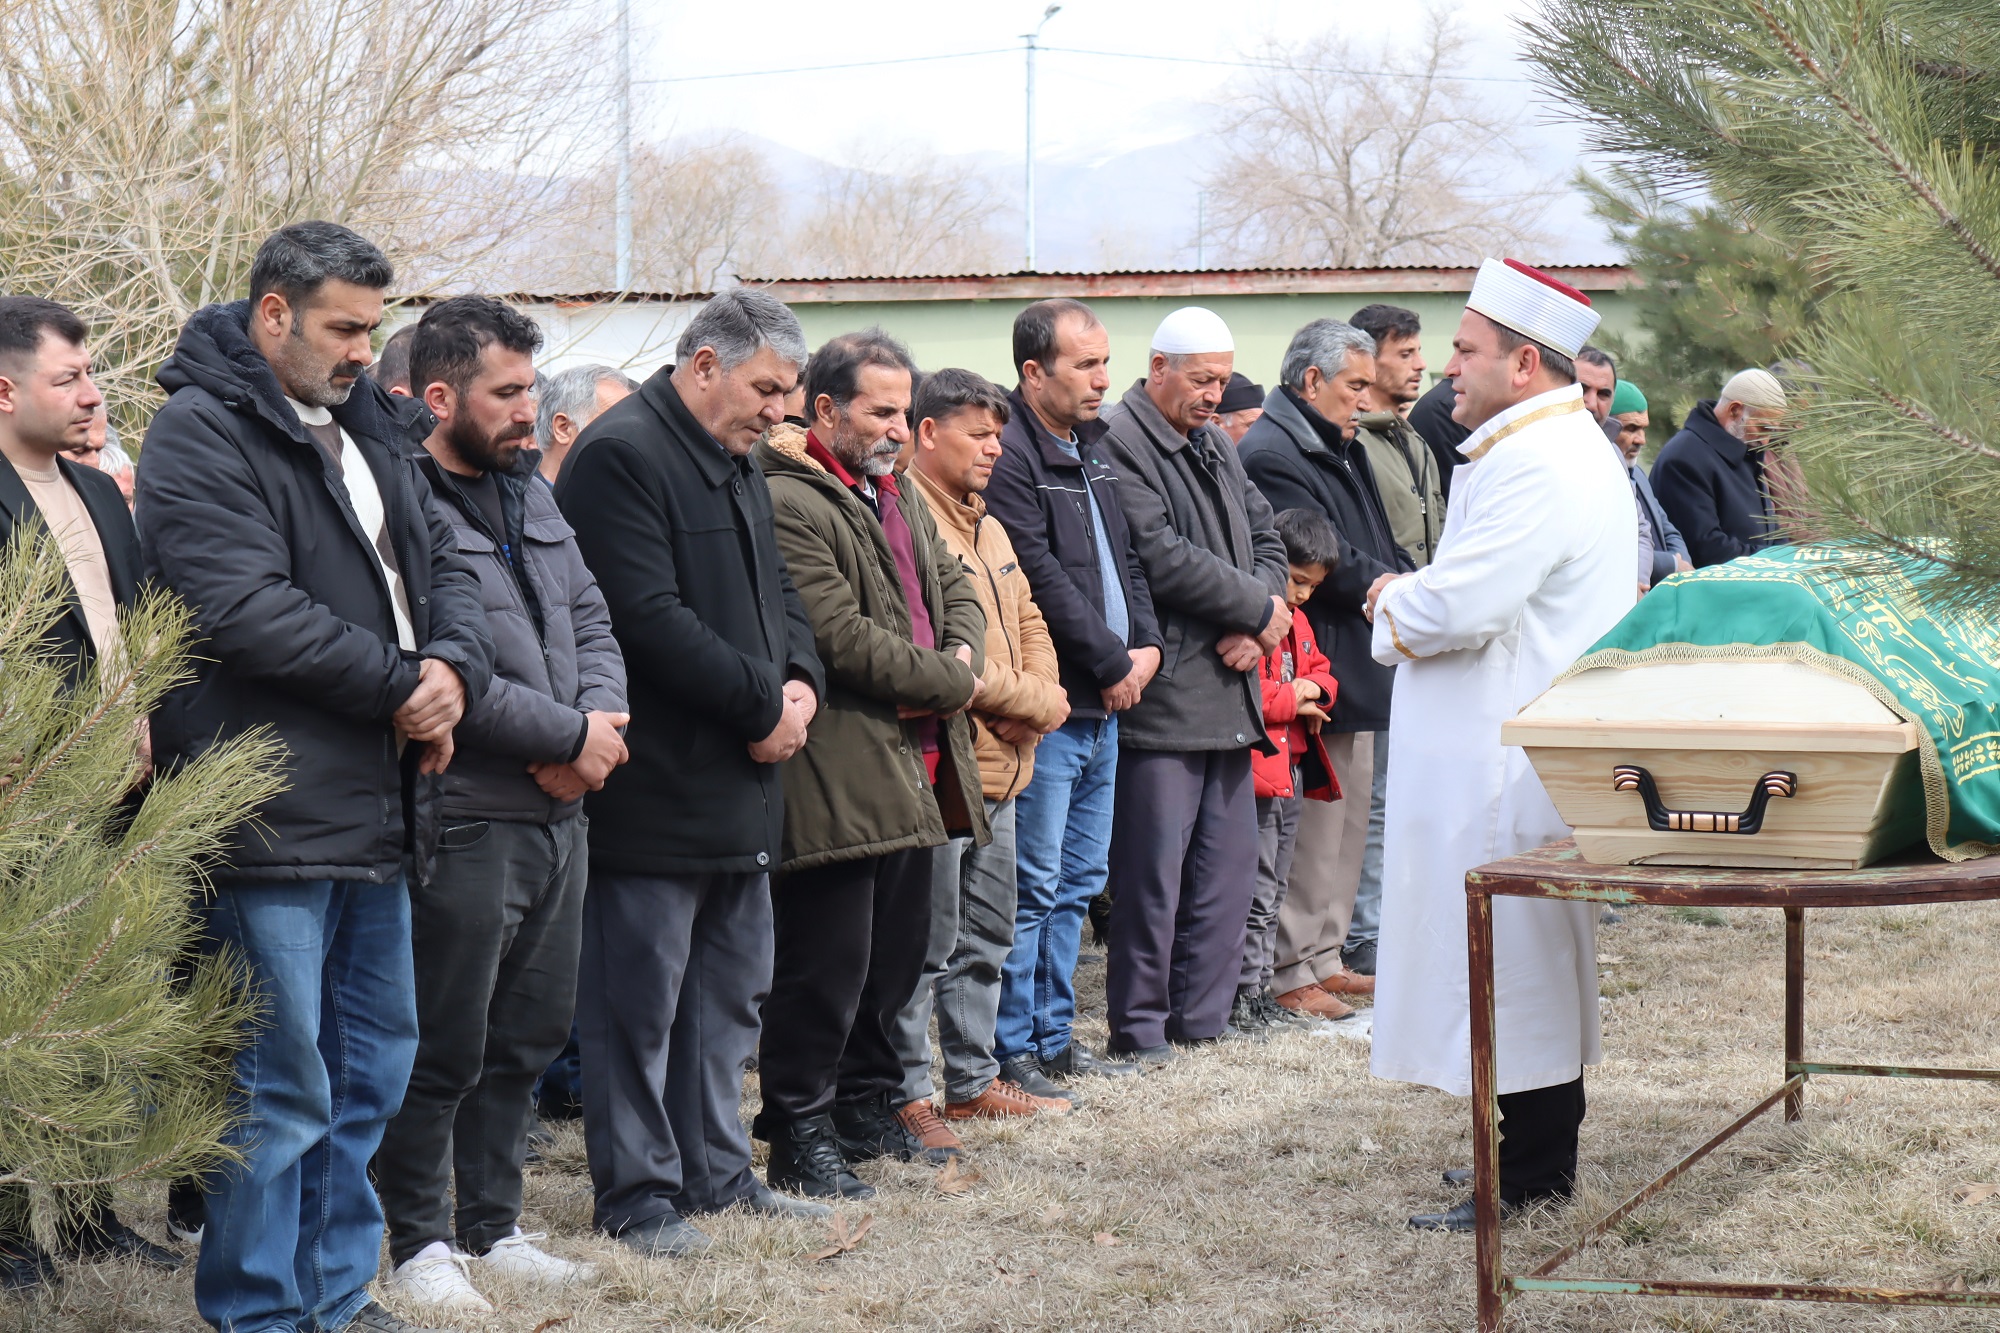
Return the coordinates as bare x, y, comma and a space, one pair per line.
1121, 282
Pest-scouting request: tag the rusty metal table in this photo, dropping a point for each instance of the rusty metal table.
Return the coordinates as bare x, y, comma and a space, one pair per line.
1558, 871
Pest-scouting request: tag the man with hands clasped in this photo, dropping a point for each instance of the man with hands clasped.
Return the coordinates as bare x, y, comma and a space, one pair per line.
676, 522
496, 922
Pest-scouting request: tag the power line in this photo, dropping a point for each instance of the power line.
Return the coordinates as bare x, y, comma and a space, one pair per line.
849, 64
1283, 65
1080, 51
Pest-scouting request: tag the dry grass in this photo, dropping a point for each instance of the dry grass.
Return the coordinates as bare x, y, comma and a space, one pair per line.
1265, 1187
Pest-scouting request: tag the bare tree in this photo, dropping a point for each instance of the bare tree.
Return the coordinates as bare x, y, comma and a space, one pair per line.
1402, 165
148, 146
906, 212
702, 212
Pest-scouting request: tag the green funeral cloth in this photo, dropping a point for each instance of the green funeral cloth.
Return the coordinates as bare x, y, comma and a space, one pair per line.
1861, 621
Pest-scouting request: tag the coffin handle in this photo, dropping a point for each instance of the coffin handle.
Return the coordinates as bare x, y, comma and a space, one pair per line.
1631, 777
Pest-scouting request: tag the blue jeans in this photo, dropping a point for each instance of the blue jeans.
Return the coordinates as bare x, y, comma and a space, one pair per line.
1063, 845
294, 1233
1366, 925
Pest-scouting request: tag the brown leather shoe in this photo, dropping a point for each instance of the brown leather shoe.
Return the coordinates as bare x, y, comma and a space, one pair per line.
1316, 1002
1002, 1099
1345, 982
921, 1119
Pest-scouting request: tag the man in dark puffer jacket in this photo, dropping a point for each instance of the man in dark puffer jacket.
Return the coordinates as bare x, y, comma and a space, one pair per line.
336, 613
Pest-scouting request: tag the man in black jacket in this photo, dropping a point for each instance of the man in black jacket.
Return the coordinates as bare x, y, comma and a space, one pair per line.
497, 924
336, 613
1431, 418
48, 405
1057, 500
1714, 476
677, 928
1302, 453
1184, 839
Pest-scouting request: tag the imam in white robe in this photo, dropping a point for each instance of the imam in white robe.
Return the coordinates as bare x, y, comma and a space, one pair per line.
1535, 564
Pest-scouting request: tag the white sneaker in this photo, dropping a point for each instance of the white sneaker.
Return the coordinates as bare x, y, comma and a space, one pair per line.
436, 1277
518, 1256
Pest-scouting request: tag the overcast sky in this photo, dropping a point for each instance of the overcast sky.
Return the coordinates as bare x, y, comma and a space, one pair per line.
1088, 106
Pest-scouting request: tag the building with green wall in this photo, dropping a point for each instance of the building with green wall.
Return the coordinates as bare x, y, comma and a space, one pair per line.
968, 321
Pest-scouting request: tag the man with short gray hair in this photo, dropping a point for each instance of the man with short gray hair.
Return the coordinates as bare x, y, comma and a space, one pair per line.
676, 521
1303, 453
568, 401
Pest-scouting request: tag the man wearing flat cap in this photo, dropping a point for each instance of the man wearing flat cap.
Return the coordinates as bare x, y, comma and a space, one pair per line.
1717, 479
1242, 403
1184, 827
1534, 566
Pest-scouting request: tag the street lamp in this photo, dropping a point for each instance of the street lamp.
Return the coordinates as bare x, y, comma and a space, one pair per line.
1031, 38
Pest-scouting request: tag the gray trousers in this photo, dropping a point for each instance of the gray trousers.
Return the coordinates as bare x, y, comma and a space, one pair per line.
1183, 872
494, 935
1366, 927
972, 932
675, 971
1277, 836
1326, 868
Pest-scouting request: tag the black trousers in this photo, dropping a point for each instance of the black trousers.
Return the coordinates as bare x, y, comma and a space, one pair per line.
496, 935
1538, 1133
850, 947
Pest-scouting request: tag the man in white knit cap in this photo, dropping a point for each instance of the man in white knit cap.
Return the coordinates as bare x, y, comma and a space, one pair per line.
1718, 480
1534, 565
1184, 828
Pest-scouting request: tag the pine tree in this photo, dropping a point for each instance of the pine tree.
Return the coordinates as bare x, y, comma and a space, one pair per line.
1716, 294
115, 1044
1865, 131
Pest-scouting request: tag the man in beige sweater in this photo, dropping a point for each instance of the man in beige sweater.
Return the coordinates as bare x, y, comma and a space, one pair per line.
959, 416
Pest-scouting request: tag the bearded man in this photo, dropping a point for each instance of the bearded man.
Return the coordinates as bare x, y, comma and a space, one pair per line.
496, 923
887, 773
1534, 566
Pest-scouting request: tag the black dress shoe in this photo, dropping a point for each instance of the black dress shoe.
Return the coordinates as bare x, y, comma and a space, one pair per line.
1459, 1218
101, 1235
1150, 1057
1360, 959
805, 1159
1024, 1071
1460, 1175
1076, 1061
25, 1267
373, 1318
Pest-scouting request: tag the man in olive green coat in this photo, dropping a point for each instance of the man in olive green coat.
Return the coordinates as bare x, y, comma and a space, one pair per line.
887, 773
1406, 471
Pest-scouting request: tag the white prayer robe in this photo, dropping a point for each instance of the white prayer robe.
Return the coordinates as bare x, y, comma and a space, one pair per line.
1535, 564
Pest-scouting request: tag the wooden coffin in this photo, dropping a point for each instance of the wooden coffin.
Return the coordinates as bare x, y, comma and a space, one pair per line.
1726, 764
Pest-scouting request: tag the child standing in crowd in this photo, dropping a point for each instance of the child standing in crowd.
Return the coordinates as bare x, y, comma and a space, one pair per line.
1298, 689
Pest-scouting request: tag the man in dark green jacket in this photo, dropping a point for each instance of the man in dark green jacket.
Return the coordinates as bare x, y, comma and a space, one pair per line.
887, 773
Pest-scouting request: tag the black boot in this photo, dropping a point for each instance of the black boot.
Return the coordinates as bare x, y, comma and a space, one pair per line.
873, 1130
805, 1160
25, 1267
1024, 1071
99, 1234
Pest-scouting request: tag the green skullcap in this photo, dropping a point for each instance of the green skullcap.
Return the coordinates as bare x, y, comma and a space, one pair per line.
1627, 398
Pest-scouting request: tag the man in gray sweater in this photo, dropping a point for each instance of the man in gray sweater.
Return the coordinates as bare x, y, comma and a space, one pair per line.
497, 922
1184, 834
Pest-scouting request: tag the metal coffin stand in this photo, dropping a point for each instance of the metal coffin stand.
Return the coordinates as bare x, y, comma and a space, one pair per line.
1559, 871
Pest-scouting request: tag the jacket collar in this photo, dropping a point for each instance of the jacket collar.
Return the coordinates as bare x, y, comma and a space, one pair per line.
1289, 413
1140, 404
715, 463
960, 517
1541, 407
215, 353
1053, 454
1702, 424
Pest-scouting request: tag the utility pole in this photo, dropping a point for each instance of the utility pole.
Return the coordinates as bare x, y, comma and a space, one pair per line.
1031, 38
624, 242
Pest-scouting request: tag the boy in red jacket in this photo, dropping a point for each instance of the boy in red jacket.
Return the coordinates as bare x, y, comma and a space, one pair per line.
1298, 688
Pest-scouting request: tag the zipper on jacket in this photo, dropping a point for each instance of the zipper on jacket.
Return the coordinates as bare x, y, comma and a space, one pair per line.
1013, 654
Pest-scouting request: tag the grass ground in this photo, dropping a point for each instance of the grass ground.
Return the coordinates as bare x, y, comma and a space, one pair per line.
1264, 1188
